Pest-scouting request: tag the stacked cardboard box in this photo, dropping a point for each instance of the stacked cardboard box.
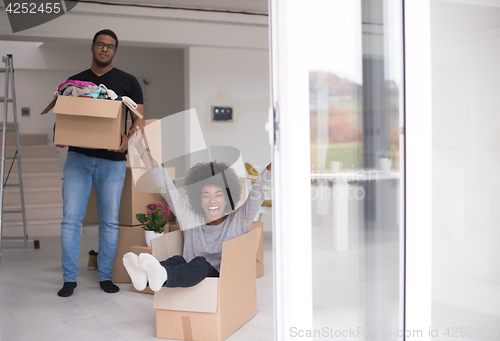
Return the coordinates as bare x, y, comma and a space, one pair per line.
174, 227
133, 201
128, 237
216, 307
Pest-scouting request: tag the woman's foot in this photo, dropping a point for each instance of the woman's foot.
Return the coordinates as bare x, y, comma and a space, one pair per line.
137, 275
157, 275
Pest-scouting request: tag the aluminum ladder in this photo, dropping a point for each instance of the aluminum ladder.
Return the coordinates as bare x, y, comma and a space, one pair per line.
9, 80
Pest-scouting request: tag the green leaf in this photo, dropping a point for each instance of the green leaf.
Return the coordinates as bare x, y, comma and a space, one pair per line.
141, 217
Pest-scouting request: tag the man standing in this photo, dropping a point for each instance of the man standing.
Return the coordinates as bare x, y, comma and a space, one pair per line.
104, 169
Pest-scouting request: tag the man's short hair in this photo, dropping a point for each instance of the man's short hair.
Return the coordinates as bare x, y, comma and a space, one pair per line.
106, 32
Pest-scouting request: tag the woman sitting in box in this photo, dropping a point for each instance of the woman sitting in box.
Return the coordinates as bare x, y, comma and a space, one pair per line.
205, 221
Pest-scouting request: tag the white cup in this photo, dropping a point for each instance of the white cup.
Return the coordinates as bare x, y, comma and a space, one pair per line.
336, 166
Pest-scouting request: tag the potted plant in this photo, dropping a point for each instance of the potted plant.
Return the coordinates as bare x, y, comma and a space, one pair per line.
385, 161
153, 222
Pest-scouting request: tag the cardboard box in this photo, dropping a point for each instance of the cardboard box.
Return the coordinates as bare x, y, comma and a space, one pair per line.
87, 122
260, 248
132, 202
216, 307
174, 227
128, 237
137, 249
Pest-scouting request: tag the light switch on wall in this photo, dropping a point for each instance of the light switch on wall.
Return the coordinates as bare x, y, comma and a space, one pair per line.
221, 114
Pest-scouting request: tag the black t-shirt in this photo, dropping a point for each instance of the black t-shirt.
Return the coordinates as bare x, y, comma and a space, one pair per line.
123, 84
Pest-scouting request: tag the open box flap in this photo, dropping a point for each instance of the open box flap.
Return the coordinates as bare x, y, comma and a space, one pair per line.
260, 241
50, 106
237, 284
200, 298
90, 107
167, 245
239, 251
133, 110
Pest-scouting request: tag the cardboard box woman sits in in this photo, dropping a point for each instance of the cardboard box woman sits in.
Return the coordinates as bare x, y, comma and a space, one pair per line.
206, 225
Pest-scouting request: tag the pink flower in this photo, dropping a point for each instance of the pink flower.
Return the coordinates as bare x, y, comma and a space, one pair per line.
151, 212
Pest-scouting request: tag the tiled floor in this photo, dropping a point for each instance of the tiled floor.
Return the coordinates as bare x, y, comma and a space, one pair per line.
31, 310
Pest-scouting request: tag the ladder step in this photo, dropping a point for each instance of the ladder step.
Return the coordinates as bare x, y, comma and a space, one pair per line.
20, 242
3, 70
10, 158
8, 129
2, 99
12, 185
13, 237
13, 211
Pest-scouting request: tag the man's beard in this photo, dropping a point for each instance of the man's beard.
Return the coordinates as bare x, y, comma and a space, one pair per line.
101, 64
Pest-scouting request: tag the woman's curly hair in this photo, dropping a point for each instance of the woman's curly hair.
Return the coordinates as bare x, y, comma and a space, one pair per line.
202, 174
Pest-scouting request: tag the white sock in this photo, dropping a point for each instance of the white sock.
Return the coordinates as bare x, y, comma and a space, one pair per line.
137, 275
157, 275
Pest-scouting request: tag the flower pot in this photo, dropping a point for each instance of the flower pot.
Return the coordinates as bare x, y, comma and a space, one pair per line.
385, 164
150, 235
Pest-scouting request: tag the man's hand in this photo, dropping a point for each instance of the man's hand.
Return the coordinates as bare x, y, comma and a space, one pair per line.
123, 145
54, 137
269, 166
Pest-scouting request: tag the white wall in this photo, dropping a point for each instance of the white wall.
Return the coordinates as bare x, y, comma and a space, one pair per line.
466, 164
173, 51
241, 69
237, 78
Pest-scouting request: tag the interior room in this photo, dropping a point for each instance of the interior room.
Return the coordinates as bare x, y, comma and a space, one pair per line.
182, 59
379, 117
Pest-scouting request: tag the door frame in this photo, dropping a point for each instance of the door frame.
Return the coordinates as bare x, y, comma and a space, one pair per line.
291, 165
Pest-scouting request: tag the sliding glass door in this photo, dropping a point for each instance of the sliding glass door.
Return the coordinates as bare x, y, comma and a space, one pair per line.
338, 98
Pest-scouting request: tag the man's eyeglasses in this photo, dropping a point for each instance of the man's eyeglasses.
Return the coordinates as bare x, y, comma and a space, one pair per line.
100, 46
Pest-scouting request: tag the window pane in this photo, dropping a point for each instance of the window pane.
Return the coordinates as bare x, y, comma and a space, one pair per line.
466, 167
355, 86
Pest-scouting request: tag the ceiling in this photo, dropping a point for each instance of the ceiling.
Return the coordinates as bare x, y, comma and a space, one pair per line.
251, 6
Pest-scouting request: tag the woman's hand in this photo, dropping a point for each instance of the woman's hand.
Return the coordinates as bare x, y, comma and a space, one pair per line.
135, 139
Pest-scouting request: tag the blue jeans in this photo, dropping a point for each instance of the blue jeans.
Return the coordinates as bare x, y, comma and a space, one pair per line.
80, 173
